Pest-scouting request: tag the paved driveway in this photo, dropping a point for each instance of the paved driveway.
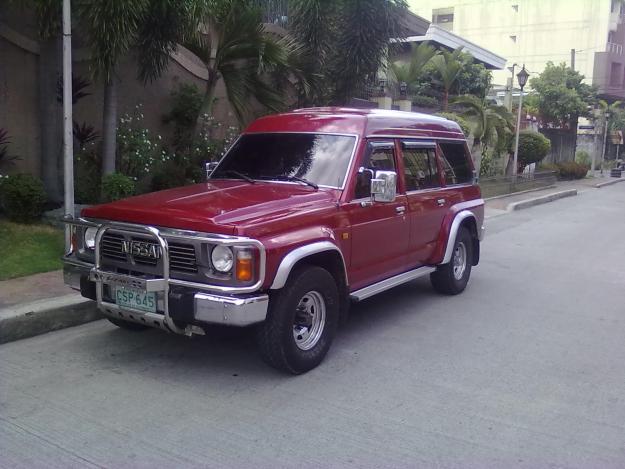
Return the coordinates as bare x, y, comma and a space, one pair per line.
526, 368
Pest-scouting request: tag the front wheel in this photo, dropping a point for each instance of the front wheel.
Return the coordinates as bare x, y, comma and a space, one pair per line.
301, 321
452, 278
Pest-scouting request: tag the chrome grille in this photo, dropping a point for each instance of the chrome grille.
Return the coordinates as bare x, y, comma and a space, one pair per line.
182, 258
111, 247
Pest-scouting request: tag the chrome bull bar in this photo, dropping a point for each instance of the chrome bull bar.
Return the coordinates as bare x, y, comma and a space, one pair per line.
158, 285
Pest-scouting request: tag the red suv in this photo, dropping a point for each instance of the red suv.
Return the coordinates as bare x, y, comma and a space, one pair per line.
307, 212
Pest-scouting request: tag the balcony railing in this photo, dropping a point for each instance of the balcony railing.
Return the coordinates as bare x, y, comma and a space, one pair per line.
614, 48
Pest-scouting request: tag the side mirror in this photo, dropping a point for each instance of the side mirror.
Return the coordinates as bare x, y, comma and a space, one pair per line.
210, 167
384, 186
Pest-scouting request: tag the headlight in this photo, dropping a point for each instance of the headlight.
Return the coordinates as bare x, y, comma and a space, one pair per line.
90, 237
222, 258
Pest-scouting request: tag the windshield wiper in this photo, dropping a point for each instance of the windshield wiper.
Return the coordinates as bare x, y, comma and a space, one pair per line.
294, 178
239, 175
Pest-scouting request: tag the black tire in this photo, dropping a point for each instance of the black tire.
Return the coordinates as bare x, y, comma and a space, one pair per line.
445, 280
129, 326
276, 335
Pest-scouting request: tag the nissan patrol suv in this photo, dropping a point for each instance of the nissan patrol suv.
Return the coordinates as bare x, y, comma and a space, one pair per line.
307, 211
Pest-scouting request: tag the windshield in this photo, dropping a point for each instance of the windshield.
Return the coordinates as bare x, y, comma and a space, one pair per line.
321, 159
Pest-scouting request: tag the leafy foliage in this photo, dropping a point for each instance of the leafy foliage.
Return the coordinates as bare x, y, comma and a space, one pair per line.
572, 170
84, 134
490, 123
582, 157
449, 65
533, 147
254, 65
347, 42
186, 102
79, 87
138, 152
464, 125
117, 186
5, 158
411, 72
23, 198
562, 96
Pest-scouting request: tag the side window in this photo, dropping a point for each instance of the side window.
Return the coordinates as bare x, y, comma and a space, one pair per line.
455, 162
420, 170
379, 156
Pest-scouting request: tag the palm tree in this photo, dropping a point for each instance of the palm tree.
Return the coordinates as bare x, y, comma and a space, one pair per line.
236, 49
490, 123
409, 73
611, 110
448, 65
348, 41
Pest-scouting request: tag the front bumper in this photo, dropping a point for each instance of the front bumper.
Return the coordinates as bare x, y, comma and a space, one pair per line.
188, 308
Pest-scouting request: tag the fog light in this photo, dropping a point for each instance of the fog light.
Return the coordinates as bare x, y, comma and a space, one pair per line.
245, 269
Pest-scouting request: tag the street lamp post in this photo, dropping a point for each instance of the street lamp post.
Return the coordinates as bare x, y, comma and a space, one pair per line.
68, 136
522, 76
605, 136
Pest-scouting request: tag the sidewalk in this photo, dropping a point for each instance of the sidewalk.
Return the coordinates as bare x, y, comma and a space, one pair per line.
40, 303
500, 205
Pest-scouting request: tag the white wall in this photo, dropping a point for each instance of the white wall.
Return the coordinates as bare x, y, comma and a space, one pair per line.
545, 30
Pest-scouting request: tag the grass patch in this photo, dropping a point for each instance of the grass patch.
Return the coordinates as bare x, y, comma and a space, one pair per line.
29, 249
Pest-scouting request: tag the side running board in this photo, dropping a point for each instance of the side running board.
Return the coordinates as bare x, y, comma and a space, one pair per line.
390, 283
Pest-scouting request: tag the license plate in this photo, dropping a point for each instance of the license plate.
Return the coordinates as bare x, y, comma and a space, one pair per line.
135, 299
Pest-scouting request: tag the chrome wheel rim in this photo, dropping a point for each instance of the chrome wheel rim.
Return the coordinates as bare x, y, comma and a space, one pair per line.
460, 260
310, 320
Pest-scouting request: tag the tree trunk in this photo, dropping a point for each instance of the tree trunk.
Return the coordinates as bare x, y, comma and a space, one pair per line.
445, 100
109, 125
50, 117
476, 154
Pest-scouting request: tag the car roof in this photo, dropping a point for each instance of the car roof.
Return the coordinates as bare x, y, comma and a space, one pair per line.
361, 122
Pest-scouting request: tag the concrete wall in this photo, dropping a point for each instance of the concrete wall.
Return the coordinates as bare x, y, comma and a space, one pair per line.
20, 60
545, 30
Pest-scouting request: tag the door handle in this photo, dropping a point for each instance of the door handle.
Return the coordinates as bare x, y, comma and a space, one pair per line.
440, 202
401, 209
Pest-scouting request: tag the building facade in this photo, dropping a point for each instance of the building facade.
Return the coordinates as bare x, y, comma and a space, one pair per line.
534, 32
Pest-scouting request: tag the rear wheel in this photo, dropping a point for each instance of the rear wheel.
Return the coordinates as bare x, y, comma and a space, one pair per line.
129, 326
301, 321
452, 278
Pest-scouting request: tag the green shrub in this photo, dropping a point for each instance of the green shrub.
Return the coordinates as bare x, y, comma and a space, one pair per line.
464, 125
572, 170
87, 179
582, 157
23, 198
186, 102
116, 186
422, 100
533, 147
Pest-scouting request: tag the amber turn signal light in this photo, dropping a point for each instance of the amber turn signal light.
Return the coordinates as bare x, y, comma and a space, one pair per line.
245, 266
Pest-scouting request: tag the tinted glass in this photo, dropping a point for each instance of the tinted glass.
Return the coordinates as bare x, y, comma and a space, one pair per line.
322, 159
375, 159
420, 170
455, 161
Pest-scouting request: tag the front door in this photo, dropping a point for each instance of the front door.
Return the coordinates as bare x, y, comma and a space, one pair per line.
379, 230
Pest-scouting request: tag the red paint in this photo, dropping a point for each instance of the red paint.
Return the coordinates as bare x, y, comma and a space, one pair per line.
379, 241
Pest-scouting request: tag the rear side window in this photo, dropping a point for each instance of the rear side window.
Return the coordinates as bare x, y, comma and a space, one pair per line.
420, 170
455, 162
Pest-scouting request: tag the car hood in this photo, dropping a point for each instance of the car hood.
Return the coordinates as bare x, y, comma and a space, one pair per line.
218, 206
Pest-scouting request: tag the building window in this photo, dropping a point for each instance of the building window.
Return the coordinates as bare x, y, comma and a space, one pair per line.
515, 8
615, 74
513, 39
444, 17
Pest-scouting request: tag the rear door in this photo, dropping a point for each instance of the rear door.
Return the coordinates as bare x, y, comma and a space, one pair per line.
425, 197
379, 230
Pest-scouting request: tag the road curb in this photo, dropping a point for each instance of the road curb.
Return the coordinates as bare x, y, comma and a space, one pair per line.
608, 183
540, 200
22, 321
503, 196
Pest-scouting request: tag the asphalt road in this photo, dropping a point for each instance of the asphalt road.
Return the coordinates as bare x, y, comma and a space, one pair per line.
525, 369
